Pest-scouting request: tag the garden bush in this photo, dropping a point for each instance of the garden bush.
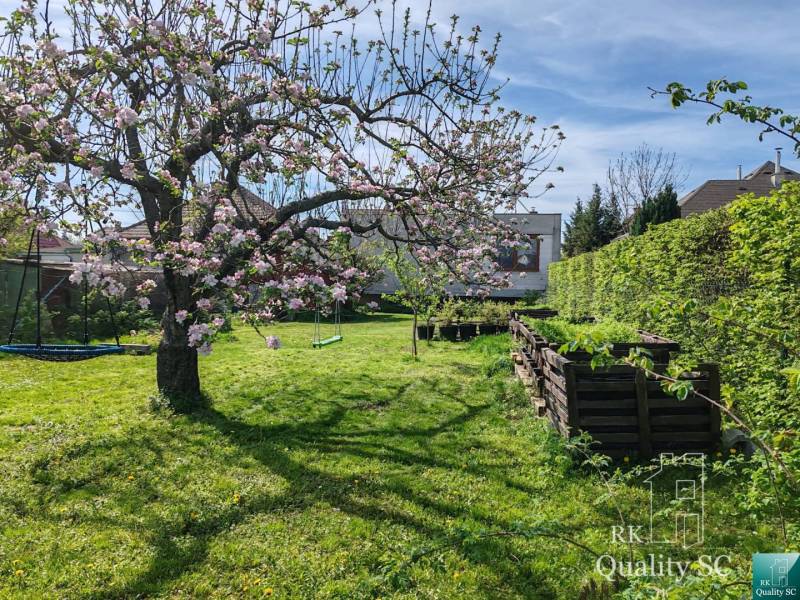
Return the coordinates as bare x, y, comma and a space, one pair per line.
724, 284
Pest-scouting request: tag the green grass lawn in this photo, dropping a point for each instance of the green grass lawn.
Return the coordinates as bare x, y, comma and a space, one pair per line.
346, 472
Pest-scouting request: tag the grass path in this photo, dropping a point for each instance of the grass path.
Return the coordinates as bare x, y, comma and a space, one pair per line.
346, 472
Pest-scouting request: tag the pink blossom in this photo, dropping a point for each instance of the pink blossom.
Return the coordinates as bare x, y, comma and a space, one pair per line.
373, 305
25, 111
339, 293
126, 117
144, 303
296, 304
40, 89
273, 342
128, 170
204, 304
181, 315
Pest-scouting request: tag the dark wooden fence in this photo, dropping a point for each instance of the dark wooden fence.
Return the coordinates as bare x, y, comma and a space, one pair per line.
619, 406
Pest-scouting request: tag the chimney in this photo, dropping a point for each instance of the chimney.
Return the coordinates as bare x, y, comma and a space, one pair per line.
779, 176
739, 172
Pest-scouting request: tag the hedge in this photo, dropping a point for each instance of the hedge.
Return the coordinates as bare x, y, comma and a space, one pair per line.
725, 284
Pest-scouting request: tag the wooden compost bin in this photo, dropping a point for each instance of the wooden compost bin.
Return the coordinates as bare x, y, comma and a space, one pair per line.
629, 414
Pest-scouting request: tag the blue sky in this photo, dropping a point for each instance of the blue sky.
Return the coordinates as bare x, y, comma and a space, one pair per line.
586, 65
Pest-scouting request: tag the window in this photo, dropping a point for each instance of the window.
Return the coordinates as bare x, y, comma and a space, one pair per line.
524, 259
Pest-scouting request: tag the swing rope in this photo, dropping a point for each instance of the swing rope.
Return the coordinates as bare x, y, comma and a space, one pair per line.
317, 341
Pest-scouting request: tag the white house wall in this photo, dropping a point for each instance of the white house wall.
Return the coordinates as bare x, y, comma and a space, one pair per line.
546, 226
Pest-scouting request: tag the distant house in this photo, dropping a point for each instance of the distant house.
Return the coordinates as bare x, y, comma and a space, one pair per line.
56, 253
528, 268
715, 193
251, 207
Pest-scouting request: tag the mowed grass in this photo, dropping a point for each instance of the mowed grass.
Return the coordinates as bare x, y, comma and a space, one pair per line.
345, 472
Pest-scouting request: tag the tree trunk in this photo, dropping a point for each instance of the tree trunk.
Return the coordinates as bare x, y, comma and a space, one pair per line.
414, 336
177, 375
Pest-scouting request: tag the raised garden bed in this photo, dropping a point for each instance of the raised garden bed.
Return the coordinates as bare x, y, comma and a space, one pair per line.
448, 332
628, 414
621, 336
425, 332
467, 331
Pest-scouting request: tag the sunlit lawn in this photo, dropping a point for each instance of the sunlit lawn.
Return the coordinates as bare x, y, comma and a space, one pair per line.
346, 472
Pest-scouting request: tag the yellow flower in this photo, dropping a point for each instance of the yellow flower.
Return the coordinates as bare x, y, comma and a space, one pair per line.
627, 459
16, 561
194, 515
268, 591
19, 572
130, 477
236, 498
456, 575
732, 450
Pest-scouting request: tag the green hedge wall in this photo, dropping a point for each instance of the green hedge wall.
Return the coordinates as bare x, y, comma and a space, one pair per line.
725, 284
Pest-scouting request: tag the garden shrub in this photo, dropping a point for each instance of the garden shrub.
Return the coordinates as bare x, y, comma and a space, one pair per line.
724, 284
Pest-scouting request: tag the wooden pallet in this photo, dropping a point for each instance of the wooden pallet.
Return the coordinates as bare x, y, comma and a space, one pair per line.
628, 413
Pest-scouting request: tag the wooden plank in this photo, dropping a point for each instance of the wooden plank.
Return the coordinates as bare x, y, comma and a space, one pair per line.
673, 402
661, 437
557, 391
608, 421
554, 358
683, 420
610, 385
572, 400
539, 407
643, 415
617, 438
584, 371
622, 404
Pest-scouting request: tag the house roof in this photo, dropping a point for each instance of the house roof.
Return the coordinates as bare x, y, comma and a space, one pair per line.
248, 203
53, 242
715, 193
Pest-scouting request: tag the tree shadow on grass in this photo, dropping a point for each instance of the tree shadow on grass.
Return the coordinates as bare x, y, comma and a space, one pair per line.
272, 447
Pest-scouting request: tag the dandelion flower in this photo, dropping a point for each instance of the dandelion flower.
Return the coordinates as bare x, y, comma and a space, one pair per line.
19, 572
268, 591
